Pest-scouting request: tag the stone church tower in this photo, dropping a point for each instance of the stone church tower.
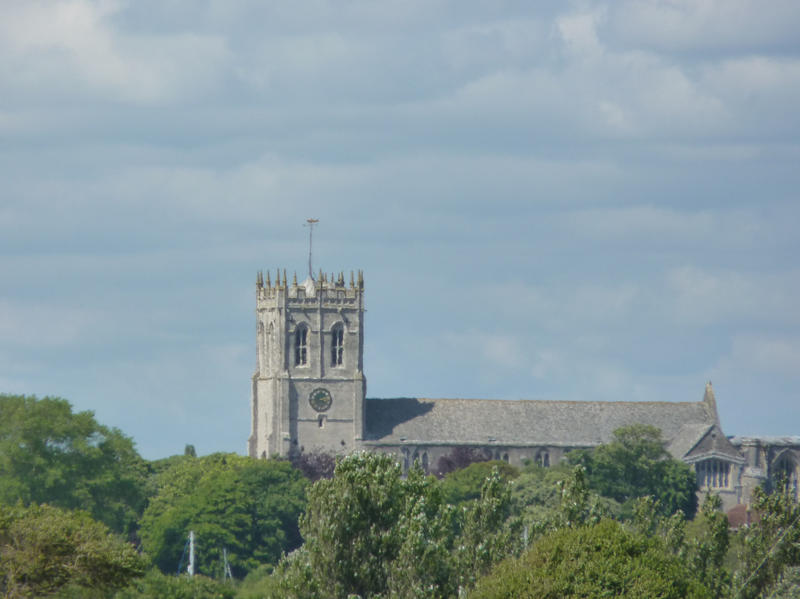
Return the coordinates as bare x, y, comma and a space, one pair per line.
309, 385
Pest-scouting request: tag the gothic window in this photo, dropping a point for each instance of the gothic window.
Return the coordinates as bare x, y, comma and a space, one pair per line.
543, 458
269, 346
713, 474
337, 345
301, 345
425, 461
785, 472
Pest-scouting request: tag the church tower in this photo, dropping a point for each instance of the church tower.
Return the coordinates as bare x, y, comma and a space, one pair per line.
309, 385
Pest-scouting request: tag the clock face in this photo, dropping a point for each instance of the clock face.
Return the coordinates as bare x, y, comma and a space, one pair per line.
320, 399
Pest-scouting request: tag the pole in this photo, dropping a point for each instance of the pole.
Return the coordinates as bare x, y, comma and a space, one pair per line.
310, 222
190, 569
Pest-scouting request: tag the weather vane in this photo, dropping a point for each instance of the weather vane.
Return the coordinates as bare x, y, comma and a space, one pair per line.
310, 222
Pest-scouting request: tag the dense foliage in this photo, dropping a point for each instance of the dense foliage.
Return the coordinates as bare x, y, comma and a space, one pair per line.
373, 533
247, 507
636, 464
465, 485
772, 546
49, 454
156, 585
603, 560
607, 522
44, 548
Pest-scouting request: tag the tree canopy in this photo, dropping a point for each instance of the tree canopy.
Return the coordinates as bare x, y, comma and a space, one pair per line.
45, 548
371, 532
465, 484
603, 560
635, 464
248, 507
50, 454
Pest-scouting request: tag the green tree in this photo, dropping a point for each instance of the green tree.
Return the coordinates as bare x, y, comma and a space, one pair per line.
365, 525
771, 546
49, 454
370, 532
248, 507
466, 483
708, 548
163, 586
635, 464
44, 549
600, 560
489, 532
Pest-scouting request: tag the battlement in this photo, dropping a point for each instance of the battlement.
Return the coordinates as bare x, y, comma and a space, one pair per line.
326, 288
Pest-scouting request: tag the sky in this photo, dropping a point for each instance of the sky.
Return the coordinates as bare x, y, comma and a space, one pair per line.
564, 200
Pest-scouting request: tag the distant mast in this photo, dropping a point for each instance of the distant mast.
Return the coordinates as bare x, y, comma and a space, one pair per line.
310, 222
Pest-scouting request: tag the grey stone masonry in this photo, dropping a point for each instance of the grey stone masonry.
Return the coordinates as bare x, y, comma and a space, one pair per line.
309, 385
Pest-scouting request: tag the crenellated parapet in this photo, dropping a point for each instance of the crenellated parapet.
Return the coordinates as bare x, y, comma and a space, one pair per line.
327, 289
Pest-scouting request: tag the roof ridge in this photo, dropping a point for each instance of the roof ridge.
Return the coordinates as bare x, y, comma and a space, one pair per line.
552, 401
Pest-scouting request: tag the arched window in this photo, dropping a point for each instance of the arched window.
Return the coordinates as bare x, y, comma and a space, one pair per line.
301, 345
785, 472
543, 458
713, 474
337, 345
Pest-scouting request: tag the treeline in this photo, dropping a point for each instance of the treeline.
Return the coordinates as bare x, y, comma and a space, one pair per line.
83, 515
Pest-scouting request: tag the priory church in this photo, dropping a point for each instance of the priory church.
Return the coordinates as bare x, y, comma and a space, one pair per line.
309, 394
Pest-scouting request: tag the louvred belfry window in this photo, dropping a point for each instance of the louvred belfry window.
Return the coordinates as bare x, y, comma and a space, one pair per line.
337, 345
300, 346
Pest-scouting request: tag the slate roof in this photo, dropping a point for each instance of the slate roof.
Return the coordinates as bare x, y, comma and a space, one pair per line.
528, 422
713, 444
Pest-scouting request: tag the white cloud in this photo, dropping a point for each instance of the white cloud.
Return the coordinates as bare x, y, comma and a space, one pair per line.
71, 47
703, 25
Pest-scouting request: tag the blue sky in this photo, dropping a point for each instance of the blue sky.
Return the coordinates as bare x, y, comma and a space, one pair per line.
588, 200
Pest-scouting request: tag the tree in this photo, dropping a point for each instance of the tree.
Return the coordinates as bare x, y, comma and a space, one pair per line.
314, 464
370, 532
708, 549
45, 548
771, 546
488, 531
245, 506
635, 464
465, 484
163, 586
365, 525
48, 454
600, 560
